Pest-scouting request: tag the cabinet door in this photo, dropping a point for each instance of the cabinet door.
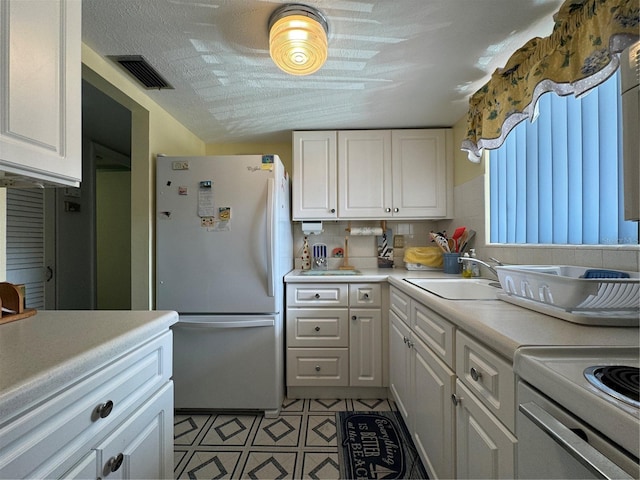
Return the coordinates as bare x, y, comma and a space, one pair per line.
314, 175
485, 448
400, 366
142, 447
40, 79
433, 421
419, 173
364, 174
365, 347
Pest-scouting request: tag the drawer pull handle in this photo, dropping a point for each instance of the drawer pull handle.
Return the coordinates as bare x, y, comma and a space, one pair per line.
475, 374
353, 317
104, 409
455, 399
317, 295
114, 463
317, 329
317, 368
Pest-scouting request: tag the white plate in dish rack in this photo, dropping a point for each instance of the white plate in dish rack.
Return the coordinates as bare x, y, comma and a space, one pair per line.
559, 290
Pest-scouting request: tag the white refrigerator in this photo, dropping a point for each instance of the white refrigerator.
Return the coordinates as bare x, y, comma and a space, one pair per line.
223, 245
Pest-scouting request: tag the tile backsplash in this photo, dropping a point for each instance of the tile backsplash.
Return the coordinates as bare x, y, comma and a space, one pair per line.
362, 250
469, 201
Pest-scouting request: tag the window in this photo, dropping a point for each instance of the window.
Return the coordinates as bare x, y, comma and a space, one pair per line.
559, 179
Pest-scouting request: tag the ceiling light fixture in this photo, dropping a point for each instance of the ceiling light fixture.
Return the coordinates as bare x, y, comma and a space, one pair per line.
298, 39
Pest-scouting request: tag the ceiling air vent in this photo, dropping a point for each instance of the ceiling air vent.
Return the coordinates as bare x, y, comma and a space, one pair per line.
142, 71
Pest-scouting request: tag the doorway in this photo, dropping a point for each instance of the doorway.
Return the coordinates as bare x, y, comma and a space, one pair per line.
92, 224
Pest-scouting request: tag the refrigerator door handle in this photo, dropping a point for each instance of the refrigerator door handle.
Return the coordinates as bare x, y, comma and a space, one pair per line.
194, 323
270, 236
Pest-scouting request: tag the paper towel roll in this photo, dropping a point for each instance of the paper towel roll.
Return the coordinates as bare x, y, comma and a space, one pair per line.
365, 231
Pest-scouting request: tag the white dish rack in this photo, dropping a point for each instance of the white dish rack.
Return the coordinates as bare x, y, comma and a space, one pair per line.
561, 291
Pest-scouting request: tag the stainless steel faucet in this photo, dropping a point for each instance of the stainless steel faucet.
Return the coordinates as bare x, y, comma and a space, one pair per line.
480, 262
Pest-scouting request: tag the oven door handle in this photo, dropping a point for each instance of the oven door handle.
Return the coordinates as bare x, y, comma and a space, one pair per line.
575, 446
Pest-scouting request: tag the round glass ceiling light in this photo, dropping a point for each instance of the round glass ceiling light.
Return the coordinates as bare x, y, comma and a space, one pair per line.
298, 39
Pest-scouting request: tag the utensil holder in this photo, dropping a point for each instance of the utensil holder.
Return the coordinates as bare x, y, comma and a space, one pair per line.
319, 257
450, 263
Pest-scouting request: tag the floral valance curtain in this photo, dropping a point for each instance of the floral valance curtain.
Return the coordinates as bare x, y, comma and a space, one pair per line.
581, 53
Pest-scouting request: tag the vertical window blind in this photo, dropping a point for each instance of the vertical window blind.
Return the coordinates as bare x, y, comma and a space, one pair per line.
559, 179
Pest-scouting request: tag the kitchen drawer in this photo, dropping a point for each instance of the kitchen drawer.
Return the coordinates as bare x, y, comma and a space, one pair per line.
435, 331
318, 367
488, 376
64, 424
365, 295
317, 295
400, 304
322, 327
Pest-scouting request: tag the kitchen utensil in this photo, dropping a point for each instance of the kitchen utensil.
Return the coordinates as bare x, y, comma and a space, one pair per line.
441, 242
463, 245
319, 256
457, 233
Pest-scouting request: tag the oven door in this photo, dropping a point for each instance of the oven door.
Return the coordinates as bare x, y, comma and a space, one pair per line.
553, 444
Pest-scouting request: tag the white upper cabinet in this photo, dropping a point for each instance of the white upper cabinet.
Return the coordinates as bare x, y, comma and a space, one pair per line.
364, 174
315, 175
40, 87
372, 174
419, 170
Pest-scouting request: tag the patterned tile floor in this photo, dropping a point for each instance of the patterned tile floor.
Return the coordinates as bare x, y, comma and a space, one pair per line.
299, 444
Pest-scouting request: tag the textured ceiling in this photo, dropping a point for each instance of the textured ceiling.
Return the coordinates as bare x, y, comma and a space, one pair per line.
392, 63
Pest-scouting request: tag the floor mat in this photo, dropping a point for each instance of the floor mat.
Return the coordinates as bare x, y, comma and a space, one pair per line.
376, 445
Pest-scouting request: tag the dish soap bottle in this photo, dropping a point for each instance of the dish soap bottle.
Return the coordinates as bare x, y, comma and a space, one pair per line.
475, 268
466, 267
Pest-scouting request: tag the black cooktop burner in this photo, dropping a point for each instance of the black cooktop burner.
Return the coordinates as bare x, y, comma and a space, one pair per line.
619, 381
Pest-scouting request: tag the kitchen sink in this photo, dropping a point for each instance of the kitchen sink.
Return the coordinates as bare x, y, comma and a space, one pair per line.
330, 272
458, 288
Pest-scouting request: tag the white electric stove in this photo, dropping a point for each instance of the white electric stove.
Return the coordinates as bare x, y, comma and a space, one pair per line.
571, 379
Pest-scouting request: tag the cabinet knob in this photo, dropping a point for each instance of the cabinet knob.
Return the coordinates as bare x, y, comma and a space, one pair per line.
317, 295
396, 210
104, 409
410, 344
405, 339
365, 296
317, 368
456, 401
114, 463
317, 329
388, 210
333, 210
475, 374
353, 317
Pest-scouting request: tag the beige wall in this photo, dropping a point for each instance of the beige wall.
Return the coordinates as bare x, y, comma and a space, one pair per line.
464, 170
283, 150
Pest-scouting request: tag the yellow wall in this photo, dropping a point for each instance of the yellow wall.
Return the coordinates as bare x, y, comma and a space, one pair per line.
463, 169
283, 150
153, 131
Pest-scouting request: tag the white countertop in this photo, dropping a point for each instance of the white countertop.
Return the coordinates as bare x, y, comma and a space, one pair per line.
42, 354
500, 325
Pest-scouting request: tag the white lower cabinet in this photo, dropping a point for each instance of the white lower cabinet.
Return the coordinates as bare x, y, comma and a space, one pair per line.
485, 447
433, 425
457, 397
334, 335
113, 422
422, 384
138, 448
